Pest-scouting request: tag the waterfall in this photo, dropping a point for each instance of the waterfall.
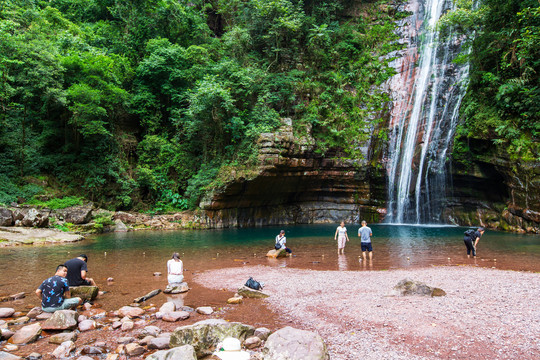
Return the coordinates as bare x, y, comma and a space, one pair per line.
426, 92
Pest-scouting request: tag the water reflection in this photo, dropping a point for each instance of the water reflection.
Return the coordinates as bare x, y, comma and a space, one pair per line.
343, 264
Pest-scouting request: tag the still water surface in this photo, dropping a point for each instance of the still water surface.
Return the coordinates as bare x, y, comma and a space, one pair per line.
132, 258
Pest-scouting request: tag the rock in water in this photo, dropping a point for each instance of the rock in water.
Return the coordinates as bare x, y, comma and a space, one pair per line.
62, 337
204, 310
276, 253
63, 350
185, 352
176, 288
408, 287
88, 293
26, 334
6, 312
205, 335
251, 293
147, 296
294, 344
62, 320
7, 356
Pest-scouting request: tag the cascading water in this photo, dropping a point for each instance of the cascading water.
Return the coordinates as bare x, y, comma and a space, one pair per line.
426, 92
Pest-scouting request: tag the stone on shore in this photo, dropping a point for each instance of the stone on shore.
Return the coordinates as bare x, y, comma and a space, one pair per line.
5, 334
184, 352
294, 344
7, 356
168, 307
236, 299
134, 349
150, 331
26, 334
6, 312
127, 325
130, 311
204, 310
175, 316
276, 253
205, 335
262, 333
75, 214
44, 316
159, 343
85, 357
408, 287
87, 325
251, 293
176, 288
32, 314
63, 337
6, 217
63, 350
252, 342
84, 292
62, 320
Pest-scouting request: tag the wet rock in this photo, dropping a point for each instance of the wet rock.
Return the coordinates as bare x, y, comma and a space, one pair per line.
144, 341
11, 347
235, 300
252, 342
7, 356
128, 325
6, 217
116, 324
262, 333
88, 293
92, 350
32, 314
110, 279
34, 356
147, 296
176, 288
17, 296
295, 344
157, 273
35, 218
44, 316
26, 334
19, 321
205, 310
63, 350
205, 335
408, 287
6, 312
87, 325
84, 357
119, 226
168, 307
112, 357
63, 337
276, 253
62, 320
82, 318
184, 352
125, 340
159, 343
250, 293
86, 306
134, 349
130, 311
150, 331
175, 316
6, 334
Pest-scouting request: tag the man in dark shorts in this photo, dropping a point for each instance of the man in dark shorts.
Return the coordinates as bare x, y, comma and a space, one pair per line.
472, 240
365, 235
77, 270
54, 290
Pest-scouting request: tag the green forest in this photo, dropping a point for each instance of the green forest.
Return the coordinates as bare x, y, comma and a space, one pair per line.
146, 104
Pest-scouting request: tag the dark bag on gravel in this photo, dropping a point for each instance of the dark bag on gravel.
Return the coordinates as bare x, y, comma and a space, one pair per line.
253, 284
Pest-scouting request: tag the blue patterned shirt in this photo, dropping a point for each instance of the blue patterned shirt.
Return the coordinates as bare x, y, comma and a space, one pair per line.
52, 291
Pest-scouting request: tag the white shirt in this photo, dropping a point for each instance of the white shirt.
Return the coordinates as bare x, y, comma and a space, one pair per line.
281, 241
341, 230
174, 267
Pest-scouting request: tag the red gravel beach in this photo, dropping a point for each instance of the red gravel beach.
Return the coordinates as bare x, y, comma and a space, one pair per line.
486, 314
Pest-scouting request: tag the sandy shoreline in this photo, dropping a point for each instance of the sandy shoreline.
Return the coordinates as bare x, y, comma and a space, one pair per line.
487, 313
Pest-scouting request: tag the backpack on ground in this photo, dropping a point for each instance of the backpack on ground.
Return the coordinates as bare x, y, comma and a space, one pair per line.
253, 284
469, 234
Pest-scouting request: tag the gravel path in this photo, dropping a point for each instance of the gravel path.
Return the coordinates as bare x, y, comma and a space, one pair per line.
487, 314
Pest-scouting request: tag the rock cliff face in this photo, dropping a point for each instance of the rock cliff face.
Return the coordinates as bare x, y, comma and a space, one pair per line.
297, 185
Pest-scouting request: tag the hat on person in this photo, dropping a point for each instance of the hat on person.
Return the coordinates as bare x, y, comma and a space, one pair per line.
282, 232
480, 228
231, 350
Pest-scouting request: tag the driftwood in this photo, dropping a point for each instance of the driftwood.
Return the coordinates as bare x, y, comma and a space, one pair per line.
147, 296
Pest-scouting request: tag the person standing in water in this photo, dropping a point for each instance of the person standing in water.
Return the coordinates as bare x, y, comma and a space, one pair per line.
341, 237
365, 235
471, 239
175, 270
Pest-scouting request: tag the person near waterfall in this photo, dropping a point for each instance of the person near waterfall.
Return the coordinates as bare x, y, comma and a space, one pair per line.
365, 234
471, 241
341, 237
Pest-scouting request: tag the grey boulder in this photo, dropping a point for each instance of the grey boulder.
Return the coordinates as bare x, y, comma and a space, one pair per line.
184, 352
294, 344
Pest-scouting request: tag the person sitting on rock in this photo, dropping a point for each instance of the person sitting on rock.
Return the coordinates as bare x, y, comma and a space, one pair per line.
77, 270
54, 290
175, 270
281, 242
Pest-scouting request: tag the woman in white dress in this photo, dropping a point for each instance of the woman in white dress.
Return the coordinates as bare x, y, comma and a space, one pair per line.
341, 237
175, 269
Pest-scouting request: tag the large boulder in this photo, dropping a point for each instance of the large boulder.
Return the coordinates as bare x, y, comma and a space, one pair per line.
184, 352
62, 320
294, 344
75, 214
26, 334
84, 292
6, 312
6, 217
35, 218
251, 293
205, 335
407, 287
